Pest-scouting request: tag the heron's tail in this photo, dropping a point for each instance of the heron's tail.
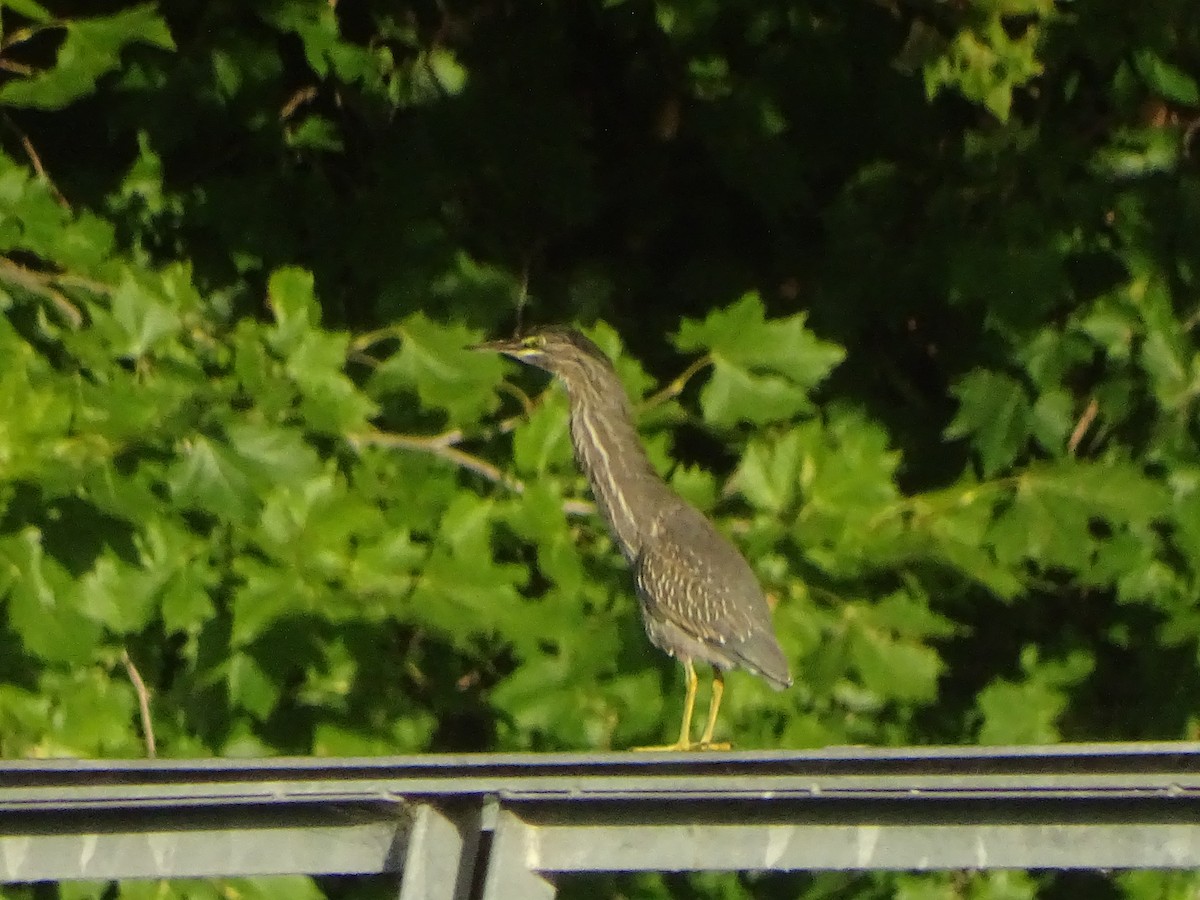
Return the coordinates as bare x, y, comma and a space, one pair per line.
762, 655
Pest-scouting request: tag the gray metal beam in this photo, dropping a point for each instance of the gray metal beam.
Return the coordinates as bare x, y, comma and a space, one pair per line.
1135, 805
1080, 770
514, 864
180, 843
440, 856
788, 835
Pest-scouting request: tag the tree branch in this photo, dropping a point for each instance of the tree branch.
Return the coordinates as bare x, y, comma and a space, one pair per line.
438, 445
1082, 426
143, 696
442, 446
40, 283
36, 161
676, 386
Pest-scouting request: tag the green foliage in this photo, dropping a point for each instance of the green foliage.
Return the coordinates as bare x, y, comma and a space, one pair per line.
904, 297
1027, 712
761, 371
90, 49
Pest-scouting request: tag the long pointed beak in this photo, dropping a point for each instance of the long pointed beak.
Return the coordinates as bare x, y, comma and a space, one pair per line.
503, 345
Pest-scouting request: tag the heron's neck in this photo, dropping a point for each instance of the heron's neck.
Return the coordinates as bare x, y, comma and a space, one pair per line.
610, 453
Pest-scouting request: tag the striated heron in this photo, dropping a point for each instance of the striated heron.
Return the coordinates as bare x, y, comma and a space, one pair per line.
699, 598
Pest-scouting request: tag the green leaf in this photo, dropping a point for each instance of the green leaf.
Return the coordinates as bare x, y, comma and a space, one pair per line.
1139, 152
273, 451
926, 887
910, 615
267, 593
1052, 420
120, 596
986, 63
769, 473
331, 403
296, 311
1170, 367
29, 9
92, 716
1150, 885
848, 467
743, 337
894, 668
632, 375
462, 591
1004, 884
269, 887
433, 363
1020, 713
762, 369
316, 133
1166, 80
91, 49
446, 69
542, 442
1116, 491
208, 476
42, 602
382, 567
1027, 712
538, 516
994, 412
696, 485
956, 523
1040, 528
1049, 520
732, 394
316, 26
174, 889
180, 562
250, 688
143, 319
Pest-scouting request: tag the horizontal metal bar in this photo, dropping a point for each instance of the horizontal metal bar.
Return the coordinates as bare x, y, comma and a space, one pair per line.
1063, 806
545, 840
1062, 770
230, 841
448, 768
913, 846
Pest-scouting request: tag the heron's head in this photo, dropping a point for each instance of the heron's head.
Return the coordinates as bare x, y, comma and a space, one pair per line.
561, 351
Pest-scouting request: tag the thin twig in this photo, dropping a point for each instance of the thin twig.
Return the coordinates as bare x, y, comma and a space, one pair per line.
676, 386
70, 279
450, 438
437, 447
1082, 426
17, 68
21, 35
442, 446
527, 406
41, 284
143, 696
365, 340
297, 99
579, 507
36, 162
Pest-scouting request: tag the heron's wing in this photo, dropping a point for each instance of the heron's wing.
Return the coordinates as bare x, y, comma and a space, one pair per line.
690, 575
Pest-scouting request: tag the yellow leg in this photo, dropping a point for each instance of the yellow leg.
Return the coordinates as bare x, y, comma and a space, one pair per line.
685, 741
718, 691
689, 706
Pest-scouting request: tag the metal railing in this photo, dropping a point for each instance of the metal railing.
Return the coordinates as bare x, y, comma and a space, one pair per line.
505, 825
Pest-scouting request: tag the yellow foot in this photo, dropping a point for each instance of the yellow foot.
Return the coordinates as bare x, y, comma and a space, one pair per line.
685, 745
